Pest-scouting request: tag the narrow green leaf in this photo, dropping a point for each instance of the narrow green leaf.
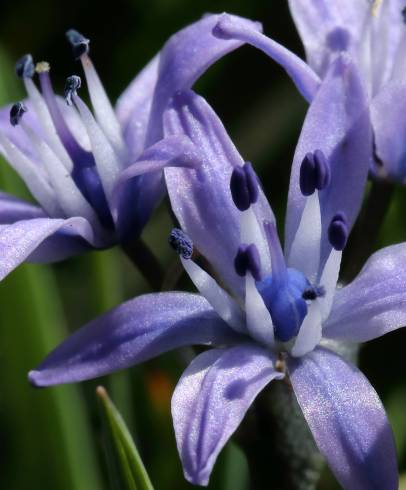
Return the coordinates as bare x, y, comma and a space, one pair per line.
133, 475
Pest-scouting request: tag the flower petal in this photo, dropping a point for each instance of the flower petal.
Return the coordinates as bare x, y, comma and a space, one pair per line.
305, 79
327, 27
131, 333
133, 195
388, 110
375, 301
13, 209
211, 399
19, 241
201, 199
183, 59
338, 124
347, 420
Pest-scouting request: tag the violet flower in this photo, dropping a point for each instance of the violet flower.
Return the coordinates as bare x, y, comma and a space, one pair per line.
373, 34
268, 314
96, 178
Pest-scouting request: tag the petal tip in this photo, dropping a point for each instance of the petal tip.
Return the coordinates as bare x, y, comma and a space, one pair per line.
34, 378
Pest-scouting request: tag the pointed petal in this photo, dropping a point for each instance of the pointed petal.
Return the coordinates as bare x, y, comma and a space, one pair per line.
13, 209
375, 302
21, 239
347, 420
338, 124
183, 59
305, 79
211, 399
132, 333
202, 199
388, 110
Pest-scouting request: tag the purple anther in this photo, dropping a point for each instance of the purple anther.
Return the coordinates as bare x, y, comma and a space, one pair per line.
71, 86
79, 43
338, 231
252, 182
25, 67
244, 186
181, 243
248, 260
307, 179
338, 39
322, 170
16, 113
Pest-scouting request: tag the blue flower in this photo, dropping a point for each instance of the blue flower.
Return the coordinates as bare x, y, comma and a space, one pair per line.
373, 35
269, 314
97, 176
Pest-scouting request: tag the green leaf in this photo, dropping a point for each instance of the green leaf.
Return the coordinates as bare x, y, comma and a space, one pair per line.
127, 461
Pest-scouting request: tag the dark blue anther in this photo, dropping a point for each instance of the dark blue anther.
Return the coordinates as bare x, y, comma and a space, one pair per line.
322, 169
313, 292
16, 113
181, 243
404, 14
72, 84
338, 231
307, 179
25, 67
314, 173
244, 186
248, 260
79, 43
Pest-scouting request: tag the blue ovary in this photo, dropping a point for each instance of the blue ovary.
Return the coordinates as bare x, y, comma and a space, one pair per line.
285, 303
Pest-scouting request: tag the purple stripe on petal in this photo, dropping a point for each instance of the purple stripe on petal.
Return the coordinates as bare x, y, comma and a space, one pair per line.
374, 303
338, 124
21, 240
13, 209
347, 420
131, 210
202, 199
211, 399
132, 333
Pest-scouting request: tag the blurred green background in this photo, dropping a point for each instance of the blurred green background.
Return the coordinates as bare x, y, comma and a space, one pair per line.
52, 439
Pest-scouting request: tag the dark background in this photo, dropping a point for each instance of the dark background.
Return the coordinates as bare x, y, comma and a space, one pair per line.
52, 438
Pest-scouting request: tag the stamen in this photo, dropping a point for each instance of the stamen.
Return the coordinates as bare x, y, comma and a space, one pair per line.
338, 231
403, 12
248, 260
79, 43
16, 113
72, 84
181, 243
314, 173
279, 271
25, 67
244, 186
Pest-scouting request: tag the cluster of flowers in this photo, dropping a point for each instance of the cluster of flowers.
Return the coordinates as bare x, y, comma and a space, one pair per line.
268, 312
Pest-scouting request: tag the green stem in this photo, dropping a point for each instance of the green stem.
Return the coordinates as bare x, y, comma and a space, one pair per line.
143, 258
